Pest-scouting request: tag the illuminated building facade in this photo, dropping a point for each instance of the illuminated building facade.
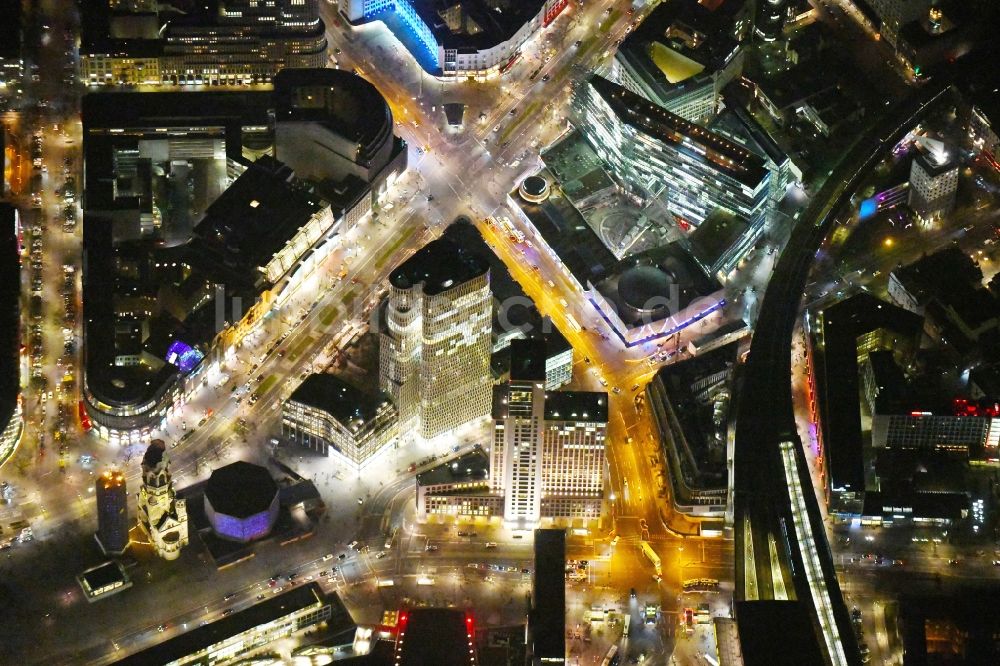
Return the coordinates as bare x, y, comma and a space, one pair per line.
459, 489
250, 630
230, 42
771, 16
330, 416
548, 457
11, 414
654, 151
241, 502
463, 37
162, 516
933, 184
112, 512
435, 347
682, 56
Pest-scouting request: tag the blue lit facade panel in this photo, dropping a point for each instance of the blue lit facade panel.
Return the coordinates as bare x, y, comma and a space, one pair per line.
246, 529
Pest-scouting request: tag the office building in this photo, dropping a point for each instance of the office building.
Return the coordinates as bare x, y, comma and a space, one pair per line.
435, 347
162, 516
112, 512
458, 488
11, 414
241, 501
332, 417
933, 183
771, 15
547, 616
659, 154
467, 38
439, 636
252, 630
682, 56
889, 16
225, 42
548, 457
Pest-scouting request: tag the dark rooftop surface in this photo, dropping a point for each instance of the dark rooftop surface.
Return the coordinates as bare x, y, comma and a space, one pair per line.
576, 406
688, 27
10, 314
104, 574
838, 380
471, 466
699, 143
241, 489
10, 29
440, 265
713, 237
266, 611
336, 98
765, 625
253, 218
434, 637
960, 628
496, 20
925, 505
527, 360
655, 284
547, 618
339, 399
953, 279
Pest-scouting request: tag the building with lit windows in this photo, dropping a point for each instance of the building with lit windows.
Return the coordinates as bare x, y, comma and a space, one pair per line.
434, 361
11, 414
222, 42
253, 629
458, 488
933, 184
840, 338
771, 15
654, 153
112, 512
11, 58
683, 54
332, 417
162, 516
548, 457
889, 16
456, 38
190, 282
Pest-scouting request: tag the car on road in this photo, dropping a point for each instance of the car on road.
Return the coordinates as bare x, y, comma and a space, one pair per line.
490, 545
352, 545
430, 548
379, 555
328, 557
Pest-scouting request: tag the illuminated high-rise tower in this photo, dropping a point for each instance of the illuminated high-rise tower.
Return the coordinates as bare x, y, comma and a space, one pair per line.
435, 348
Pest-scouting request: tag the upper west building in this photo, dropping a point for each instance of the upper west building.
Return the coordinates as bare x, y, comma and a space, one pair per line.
216, 42
435, 344
656, 152
683, 55
459, 37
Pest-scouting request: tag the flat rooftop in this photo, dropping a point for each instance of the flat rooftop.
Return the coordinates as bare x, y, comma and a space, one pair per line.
434, 636
308, 596
547, 618
478, 24
440, 265
763, 625
583, 406
471, 466
345, 402
10, 318
702, 144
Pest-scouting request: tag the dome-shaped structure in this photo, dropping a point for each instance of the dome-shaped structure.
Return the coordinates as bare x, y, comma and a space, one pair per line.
646, 288
534, 189
241, 501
